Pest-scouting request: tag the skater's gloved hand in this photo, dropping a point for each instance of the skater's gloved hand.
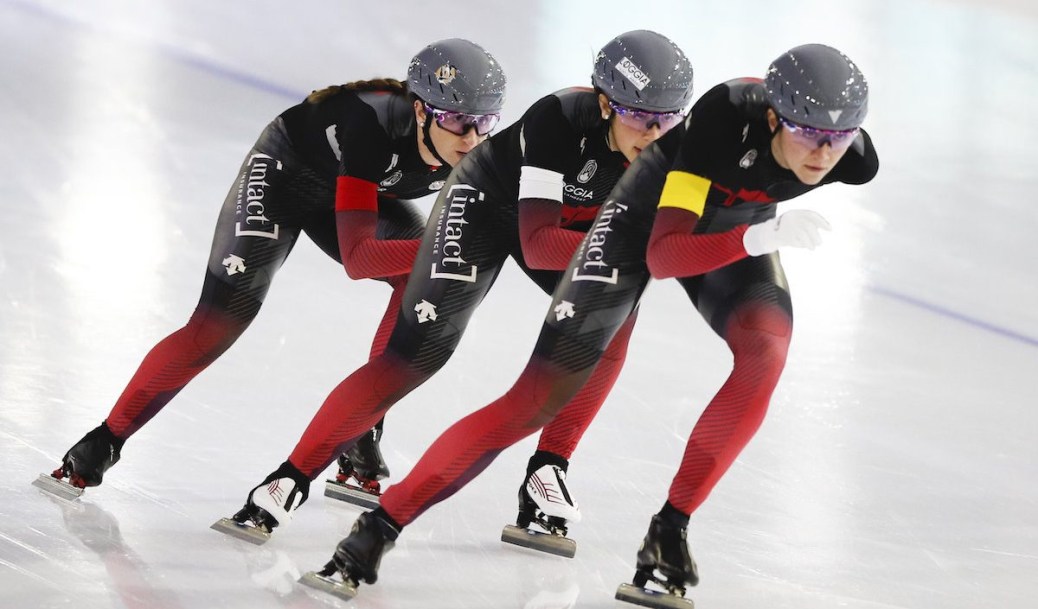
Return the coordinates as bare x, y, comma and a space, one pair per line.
795, 228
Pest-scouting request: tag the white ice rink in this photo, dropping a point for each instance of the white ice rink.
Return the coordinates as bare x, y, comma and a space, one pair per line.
897, 468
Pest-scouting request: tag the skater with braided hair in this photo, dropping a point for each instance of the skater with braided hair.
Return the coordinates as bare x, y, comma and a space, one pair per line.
341, 167
699, 205
529, 193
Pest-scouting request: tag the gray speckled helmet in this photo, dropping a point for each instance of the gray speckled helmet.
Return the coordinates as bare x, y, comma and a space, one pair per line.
644, 70
817, 86
459, 75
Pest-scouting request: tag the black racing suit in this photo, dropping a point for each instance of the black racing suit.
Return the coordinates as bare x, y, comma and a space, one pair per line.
286, 186
473, 229
727, 147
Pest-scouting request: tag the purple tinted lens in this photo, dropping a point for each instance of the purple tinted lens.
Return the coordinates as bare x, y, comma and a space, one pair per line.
671, 120
485, 123
459, 123
643, 121
816, 138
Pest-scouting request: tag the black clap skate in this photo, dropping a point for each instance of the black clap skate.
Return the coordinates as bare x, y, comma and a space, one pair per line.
269, 504
545, 502
664, 549
356, 559
84, 464
365, 465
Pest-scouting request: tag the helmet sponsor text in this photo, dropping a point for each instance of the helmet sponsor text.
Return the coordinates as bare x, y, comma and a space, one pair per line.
633, 73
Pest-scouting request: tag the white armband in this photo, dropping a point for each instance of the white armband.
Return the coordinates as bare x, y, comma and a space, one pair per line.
537, 183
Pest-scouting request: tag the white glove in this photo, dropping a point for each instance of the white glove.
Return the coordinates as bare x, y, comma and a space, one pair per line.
795, 228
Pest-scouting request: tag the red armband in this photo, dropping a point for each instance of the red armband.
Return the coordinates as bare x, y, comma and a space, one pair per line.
355, 194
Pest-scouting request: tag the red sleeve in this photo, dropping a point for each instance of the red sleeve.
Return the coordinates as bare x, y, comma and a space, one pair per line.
356, 218
675, 252
545, 244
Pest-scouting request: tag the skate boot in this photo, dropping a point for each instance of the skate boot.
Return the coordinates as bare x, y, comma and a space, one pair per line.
544, 500
365, 465
357, 557
271, 503
664, 549
84, 464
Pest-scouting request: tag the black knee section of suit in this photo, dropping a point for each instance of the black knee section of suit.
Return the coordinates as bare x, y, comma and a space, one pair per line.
542, 458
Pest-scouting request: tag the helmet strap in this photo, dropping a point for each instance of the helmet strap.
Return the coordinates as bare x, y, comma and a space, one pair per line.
428, 140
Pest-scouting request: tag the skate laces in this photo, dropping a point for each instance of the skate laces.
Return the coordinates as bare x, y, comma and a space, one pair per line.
547, 487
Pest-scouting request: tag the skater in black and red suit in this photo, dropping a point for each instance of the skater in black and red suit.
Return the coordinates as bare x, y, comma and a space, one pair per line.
340, 166
530, 193
699, 206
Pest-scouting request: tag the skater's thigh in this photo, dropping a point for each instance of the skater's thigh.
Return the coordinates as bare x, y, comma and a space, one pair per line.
598, 293
463, 249
758, 279
258, 224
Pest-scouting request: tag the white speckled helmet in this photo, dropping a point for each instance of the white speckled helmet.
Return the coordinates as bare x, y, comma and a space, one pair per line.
817, 86
645, 71
458, 75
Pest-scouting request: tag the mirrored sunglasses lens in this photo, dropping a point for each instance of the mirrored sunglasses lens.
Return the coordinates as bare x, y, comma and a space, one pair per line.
452, 122
458, 123
643, 121
813, 138
669, 121
842, 140
632, 121
485, 123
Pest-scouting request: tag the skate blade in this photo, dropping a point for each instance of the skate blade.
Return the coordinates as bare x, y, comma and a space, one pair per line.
58, 488
542, 542
652, 598
339, 589
245, 532
350, 494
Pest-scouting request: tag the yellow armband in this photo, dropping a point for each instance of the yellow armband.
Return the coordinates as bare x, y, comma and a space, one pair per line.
685, 190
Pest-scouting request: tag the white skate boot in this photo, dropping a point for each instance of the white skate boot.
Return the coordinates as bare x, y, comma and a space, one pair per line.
545, 500
271, 503
546, 490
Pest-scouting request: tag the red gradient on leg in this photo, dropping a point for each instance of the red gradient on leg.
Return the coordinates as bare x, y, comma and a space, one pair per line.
385, 327
563, 433
170, 366
353, 408
471, 444
758, 335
